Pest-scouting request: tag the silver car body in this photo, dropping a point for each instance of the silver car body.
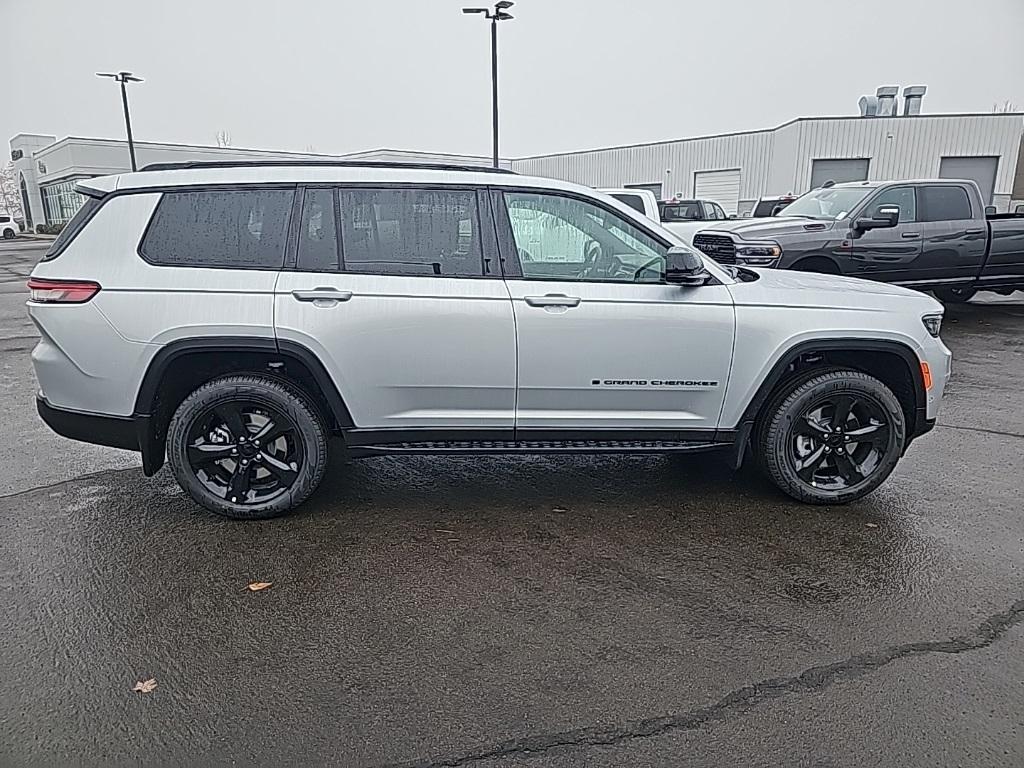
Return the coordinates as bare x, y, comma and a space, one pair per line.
449, 353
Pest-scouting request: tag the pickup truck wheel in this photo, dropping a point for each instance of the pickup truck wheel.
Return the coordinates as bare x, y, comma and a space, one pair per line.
954, 295
247, 447
832, 437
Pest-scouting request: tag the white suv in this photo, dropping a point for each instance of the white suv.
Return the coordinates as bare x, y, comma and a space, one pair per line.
8, 227
235, 317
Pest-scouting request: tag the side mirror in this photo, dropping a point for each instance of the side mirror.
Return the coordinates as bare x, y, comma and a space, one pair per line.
886, 217
684, 267
990, 210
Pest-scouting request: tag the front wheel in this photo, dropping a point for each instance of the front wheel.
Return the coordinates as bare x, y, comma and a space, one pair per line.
247, 447
8, 234
954, 295
831, 438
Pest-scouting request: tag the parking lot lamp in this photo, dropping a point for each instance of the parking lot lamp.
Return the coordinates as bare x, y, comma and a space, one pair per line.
122, 78
500, 13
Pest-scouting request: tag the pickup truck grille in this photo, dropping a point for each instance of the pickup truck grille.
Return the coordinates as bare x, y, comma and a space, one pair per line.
721, 248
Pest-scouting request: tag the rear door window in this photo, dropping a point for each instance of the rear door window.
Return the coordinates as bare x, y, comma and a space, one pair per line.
945, 203
425, 232
240, 229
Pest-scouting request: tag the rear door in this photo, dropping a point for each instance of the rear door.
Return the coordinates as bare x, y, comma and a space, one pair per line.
955, 235
605, 344
891, 255
397, 289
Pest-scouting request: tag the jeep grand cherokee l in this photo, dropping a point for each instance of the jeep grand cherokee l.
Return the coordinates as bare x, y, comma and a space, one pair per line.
233, 318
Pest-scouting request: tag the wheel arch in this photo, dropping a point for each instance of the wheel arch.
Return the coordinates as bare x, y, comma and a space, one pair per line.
190, 362
868, 355
801, 264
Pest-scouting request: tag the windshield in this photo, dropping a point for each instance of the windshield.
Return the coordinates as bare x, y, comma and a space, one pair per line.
683, 210
833, 203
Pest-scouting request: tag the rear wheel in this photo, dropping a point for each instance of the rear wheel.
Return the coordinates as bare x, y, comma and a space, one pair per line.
954, 295
832, 437
247, 447
8, 234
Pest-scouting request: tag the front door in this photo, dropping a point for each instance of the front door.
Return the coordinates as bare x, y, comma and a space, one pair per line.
604, 343
890, 255
399, 293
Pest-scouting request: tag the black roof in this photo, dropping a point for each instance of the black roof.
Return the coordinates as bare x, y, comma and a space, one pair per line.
198, 164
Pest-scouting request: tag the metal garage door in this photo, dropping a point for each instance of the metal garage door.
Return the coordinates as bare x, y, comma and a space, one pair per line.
721, 186
979, 169
838, 171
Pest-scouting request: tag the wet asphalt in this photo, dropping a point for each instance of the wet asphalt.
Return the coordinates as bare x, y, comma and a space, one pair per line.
521, 611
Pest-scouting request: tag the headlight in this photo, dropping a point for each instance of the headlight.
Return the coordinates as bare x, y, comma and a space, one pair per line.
763, 253
933, 324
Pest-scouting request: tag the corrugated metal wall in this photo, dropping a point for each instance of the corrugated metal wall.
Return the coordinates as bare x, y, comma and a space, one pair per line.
648, 163
779, 160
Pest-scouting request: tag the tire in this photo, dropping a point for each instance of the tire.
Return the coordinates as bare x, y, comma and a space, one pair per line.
219, 428
954, 295
9, 234
801, 452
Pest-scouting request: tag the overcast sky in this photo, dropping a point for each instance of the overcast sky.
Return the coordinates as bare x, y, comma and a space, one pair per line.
347, 75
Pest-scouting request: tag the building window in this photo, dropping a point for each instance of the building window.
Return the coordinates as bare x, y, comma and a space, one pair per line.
61, 202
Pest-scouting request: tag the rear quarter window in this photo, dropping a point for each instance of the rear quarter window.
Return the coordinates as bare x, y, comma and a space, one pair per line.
73, 227
240, 229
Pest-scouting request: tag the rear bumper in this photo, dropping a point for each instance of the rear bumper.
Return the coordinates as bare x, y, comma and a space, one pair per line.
132, 433
113, 431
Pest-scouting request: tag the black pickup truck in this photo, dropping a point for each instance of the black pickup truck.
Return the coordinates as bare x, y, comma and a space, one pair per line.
932, 235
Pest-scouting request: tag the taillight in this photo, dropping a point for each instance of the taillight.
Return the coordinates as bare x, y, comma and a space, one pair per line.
61, 291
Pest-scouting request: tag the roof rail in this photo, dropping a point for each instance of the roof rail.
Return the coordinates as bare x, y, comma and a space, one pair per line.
192, 164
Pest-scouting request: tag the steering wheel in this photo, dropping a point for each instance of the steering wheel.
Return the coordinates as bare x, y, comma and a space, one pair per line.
645, 265
524, 255
592, 253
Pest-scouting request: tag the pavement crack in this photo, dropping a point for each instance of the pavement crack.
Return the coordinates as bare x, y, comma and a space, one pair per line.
740, 700
979, 429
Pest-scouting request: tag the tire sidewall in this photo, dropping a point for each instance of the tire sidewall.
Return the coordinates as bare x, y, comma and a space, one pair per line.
258, 391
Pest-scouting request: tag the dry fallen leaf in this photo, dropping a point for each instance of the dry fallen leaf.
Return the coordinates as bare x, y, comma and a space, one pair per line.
256, 586
145, 686
871, 525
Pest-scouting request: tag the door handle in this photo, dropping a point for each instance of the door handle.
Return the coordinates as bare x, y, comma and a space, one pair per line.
910, 235
975, 232
322, 294
553, 300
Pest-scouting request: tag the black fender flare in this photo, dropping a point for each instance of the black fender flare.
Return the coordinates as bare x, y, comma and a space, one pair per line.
151, 435
917, 426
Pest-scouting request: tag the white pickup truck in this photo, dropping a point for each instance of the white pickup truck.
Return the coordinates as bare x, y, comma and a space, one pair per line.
681, 217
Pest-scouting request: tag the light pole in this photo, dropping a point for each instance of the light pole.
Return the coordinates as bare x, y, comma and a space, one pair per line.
122, 78
500, 13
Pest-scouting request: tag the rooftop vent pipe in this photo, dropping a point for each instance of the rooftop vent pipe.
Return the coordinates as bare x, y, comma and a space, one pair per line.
912, 97
887, 100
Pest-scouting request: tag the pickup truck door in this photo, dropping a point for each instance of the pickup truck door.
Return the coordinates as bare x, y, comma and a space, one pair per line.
889, 255
955, 234
605, 345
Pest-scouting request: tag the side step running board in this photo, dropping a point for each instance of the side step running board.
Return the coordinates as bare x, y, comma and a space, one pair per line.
452, 447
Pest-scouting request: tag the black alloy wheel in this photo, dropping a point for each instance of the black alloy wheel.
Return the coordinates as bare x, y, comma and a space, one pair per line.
831, 436
839, 441
245, 453
247, 446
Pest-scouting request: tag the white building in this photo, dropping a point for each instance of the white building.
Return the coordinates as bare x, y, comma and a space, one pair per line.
735, 169
46, 169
